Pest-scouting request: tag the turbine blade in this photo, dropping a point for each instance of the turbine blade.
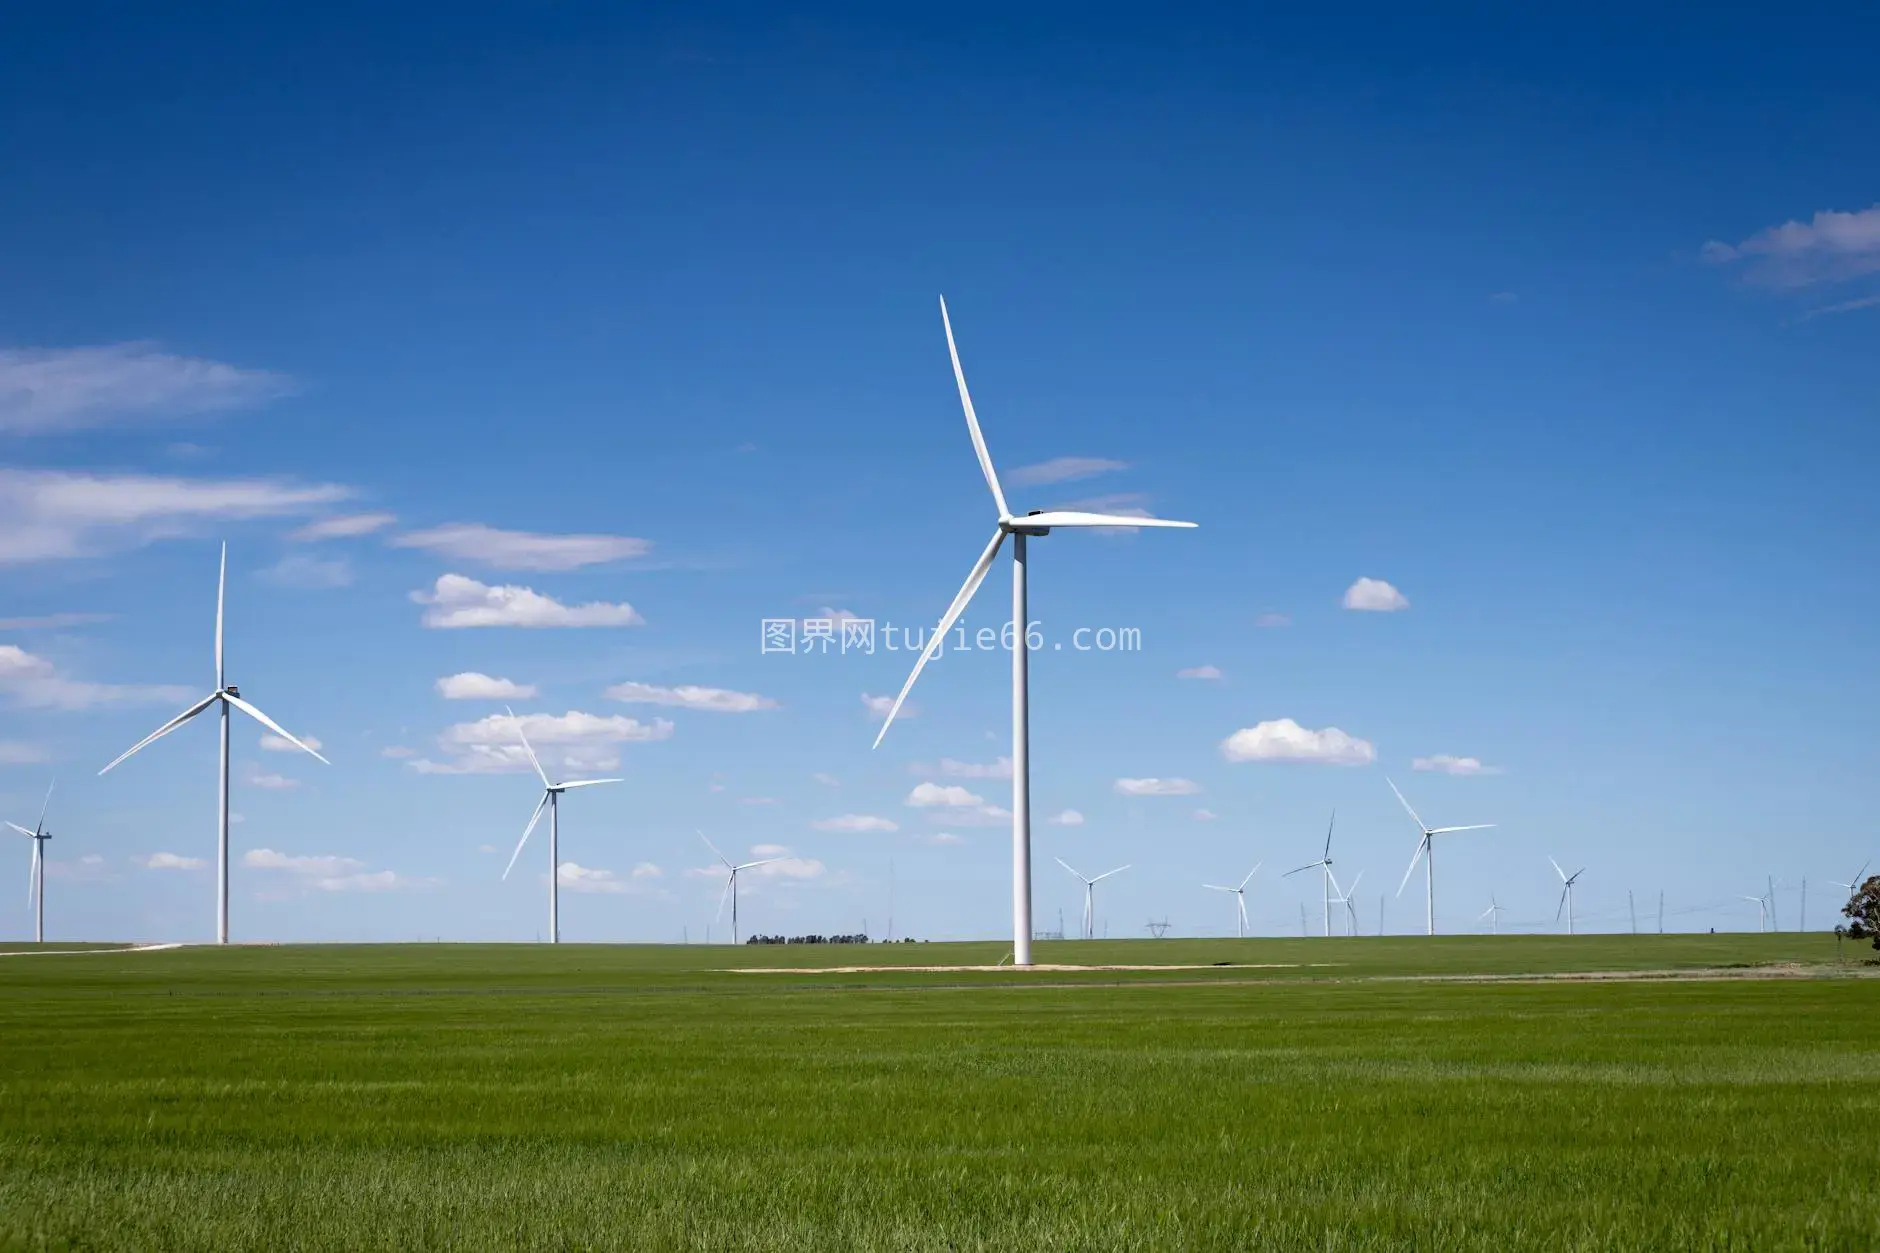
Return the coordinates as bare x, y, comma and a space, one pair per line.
1859, 875
714, 848
1328, 835
1074, 870
1215, 887
23, 831
1078, 518
526, 832
1312, 866
724, 896
973, 580
972, 419
527, 748
44, 806
221, 587
166, 728
272, 725
1407, 809
1414, 857
765, 862
1106, 874
1249, 879
1557, 869
1353, 889
586, 783
1558, 909
1485, 913
1474, 826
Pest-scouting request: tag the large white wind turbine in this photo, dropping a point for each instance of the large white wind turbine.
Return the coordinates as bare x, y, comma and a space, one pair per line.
1426, 849
1566, 892
1090, 895
551, 799
731, 883
1324, 866
1493, 913
1860, 877
226, 696
1240, 899
36, 873
1762, 911
1020, 527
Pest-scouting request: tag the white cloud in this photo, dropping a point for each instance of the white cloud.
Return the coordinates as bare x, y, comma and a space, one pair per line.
1156, 787
1065, 469
1842, 306
1831, 248
647, 870
1282, 739
370, 881
1199, 672
1375, 596
927, 795
574, 741
1273, 618
789, 868
945, 837
397, 752
827, 780
855, 823
1067, 818
878, 707
322, 865
309, 573
342, 526
769, 850
19, 753
70, 389
579, 878
48, 515
36, 683
1205, 815
279, 744
1000, 769
170, 861
53, 621
688, 696
456, 601
522, 550
272, 782
471, 685
1443, 763
757, 800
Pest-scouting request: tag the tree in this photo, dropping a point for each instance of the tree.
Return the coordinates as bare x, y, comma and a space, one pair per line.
1863, 911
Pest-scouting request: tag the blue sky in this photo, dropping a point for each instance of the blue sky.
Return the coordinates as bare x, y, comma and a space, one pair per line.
1562, 326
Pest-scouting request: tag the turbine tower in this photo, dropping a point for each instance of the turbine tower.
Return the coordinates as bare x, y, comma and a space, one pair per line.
36, 872
1324, 866
731, 883
227, 696
1566, 892
1090, 895
1240, 900
551, 798
1426, 849
1493, 913
1021, 527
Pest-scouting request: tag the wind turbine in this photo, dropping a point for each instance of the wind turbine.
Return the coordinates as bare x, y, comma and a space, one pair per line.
227, 696
1324, 865
36, 873
1426, 849
731, 883
551, 798
1860, 877
1345, 898
1021, 527
1493, 913
1090, 895
1240, 899
1566, 892
1762, 912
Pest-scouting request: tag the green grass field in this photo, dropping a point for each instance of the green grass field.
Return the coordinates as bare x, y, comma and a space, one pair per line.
1313, 1094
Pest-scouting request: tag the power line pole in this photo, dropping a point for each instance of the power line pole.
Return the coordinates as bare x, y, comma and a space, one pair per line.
1773, 925
1302, 921
1661, 911
1634, 908
1801, 915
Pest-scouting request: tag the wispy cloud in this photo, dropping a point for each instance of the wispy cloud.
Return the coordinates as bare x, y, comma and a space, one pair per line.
328, 873
456, 601
54, 621
1066, 818
688, 696
1200, 672
1282, 739
170, 861
1843, 306
856, 823
1156, 787
999, 768
48, 515
343, 526
1065, 470
20, 753
1830, 248
878, 707
279, 744
68, 389
33, 681
1375, 596
522, 550
1443, 763
1273, 618
574, 740
578, 878
927, 795
309, 573
470, 685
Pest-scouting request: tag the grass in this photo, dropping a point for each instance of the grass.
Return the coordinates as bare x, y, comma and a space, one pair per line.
406, 1097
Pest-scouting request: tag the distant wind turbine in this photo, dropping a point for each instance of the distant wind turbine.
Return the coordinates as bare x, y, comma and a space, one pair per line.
1860, 877
1762, 911
1090, 895
731, 883
1324, 866
36, 872
1020, 527
1493, 913
551, 799
1240, 899
227, 696
1345, 897
1426, 849
1566, 892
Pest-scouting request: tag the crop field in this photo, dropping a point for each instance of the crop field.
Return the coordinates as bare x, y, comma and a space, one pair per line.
1307, 1094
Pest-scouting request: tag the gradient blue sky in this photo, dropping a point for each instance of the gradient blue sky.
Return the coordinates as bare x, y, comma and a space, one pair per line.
1561, 324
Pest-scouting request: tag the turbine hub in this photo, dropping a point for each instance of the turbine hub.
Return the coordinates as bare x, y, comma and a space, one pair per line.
232, 690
